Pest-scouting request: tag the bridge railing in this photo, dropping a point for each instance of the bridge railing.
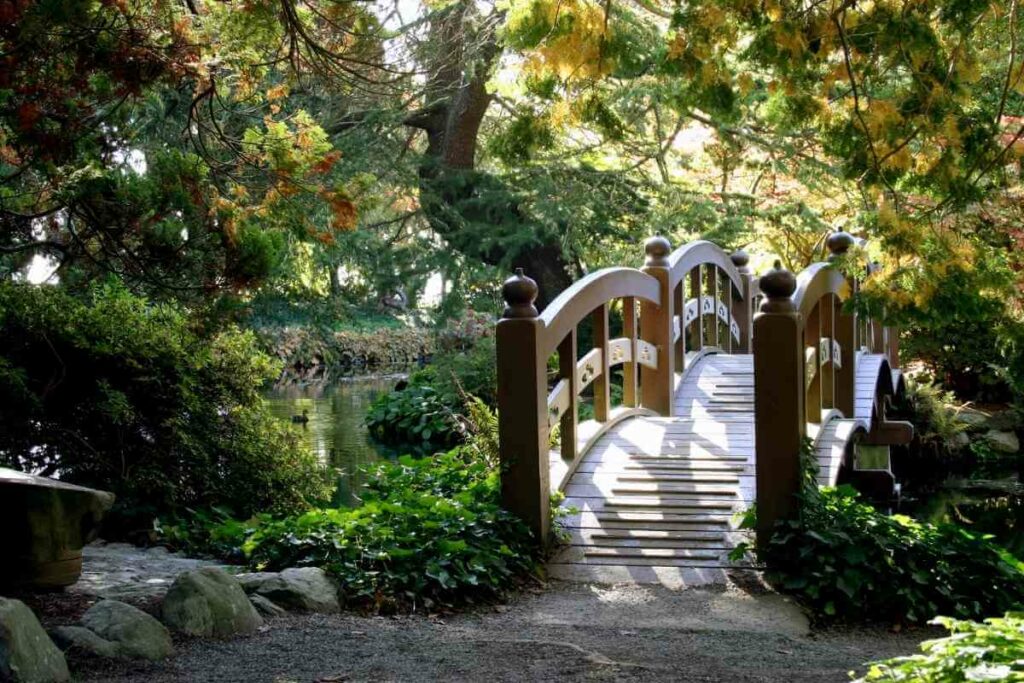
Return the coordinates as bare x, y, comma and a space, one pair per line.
679, 304
806, 346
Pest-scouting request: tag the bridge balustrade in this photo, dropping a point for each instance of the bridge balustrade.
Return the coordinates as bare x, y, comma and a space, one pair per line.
806, 345
681, 304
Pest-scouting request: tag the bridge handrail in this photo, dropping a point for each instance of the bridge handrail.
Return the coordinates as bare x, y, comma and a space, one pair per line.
806, 349
702, 252
585, 295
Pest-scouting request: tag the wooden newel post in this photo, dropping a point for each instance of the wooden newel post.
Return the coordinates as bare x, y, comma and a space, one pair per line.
779, 418
743, 309
845, 333
656, 384
522, 408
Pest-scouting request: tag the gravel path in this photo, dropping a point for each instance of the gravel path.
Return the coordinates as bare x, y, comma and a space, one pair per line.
571, 632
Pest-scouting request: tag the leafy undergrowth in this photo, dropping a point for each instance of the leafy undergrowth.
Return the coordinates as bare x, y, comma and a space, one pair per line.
845, 560
429, 532
988, 651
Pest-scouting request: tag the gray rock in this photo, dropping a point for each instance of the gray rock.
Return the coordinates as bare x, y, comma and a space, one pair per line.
27, 655
83, 640
253, 580
136, 634
307, 589
209, 602
1002, 442
266, 607
959, 441
1005, 420
972, 418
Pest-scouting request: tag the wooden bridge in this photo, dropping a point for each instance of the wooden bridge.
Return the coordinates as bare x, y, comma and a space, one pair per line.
716, 405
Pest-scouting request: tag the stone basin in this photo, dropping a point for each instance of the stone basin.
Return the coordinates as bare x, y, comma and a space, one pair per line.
45, 524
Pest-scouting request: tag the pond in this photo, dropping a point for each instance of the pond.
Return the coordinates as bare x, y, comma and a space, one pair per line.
990, 500
335, 430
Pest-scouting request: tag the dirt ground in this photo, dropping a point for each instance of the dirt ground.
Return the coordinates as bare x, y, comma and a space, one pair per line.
566, 632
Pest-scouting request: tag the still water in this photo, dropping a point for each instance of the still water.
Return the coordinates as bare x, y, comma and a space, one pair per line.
335, 430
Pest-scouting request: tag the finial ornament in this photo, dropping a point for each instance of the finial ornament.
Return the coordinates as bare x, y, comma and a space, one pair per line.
839, 243
519, 292
777, 285
740, 259
657, 249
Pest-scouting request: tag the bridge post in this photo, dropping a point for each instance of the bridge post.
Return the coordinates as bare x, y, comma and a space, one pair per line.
523, 408
845, 332
779, 419
656, 384
743, 310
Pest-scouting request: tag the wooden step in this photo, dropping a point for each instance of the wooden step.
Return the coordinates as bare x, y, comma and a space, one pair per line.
695, 477
651, 553
702, 489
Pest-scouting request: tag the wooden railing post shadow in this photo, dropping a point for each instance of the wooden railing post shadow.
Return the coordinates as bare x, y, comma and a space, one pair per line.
522, 406
656, 384
845, 332
778, 401
743, 309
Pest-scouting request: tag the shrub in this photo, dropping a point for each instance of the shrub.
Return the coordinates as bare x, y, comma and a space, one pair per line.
988, 651
845, 559
427, 530
429, 413
417, 418
120, 394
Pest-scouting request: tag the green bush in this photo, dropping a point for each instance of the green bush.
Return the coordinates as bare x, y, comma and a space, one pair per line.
429, 414
119, 394
845, 559
989, 651
427, 530
417, 418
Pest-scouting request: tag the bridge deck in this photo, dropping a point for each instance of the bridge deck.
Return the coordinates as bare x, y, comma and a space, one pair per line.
658, 498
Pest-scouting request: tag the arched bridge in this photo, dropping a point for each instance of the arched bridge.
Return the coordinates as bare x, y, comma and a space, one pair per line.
696, 407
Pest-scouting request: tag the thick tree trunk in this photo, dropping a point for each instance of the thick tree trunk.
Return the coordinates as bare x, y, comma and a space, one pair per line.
454, 196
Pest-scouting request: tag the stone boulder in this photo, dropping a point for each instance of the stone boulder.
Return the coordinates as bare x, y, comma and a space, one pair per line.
27, 655
46, 523
81, 639
266, 607
136, 634
209, 602
1002, 442
307, 589
971, 418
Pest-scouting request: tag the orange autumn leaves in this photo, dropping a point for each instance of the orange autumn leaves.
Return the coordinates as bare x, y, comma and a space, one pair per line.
297, 157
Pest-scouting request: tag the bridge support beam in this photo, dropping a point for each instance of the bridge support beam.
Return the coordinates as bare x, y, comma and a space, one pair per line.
523, 427
778, 402
656, 383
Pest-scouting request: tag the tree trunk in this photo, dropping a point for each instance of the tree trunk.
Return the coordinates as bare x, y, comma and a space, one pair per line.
474, 212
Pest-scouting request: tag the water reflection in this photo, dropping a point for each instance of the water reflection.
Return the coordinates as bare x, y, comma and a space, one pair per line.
335, 429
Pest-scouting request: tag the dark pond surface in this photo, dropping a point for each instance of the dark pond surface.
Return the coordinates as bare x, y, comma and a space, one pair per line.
989, 501
335, 430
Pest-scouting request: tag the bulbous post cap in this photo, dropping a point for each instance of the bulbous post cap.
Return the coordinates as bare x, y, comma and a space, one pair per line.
740, 258
519, 292
839, 243
777, 285
657, 249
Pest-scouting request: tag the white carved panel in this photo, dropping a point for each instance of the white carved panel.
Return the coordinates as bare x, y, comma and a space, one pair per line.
647, 354
588, 369
619, 351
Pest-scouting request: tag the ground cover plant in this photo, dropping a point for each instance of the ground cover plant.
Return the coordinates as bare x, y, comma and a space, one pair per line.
992, 650
428, 531
846, 560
